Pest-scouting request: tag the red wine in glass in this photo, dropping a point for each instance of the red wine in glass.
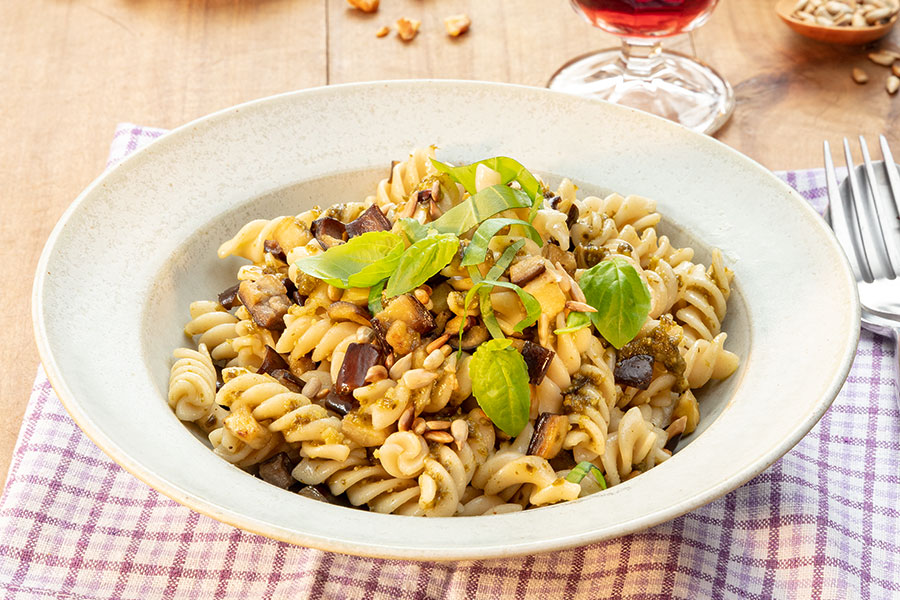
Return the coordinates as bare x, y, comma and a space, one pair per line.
644, 18
640, 73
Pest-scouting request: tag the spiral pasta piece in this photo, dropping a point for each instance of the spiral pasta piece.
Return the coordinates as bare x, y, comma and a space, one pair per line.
215, 326
192, 384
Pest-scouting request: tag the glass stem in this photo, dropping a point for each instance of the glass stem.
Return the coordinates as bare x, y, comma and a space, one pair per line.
641, 58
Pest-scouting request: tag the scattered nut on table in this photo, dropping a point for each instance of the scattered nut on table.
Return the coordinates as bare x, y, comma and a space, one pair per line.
407, 28
846, 13
457, 24
859, 76
892, 84
368, 6
883, 58
383, 31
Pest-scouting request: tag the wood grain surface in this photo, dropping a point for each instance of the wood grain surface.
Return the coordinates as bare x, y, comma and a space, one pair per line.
72, 69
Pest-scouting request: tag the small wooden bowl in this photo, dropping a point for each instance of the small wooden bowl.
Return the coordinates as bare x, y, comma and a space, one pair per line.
850, 36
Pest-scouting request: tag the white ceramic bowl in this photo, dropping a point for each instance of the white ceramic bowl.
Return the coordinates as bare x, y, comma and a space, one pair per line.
119, 270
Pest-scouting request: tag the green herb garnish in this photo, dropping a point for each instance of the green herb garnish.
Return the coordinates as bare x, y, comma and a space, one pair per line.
479, 207
375, 305
508, 168
361, 262
413, 230
478, 247
421, 261
574, 322
582, 469
532, 306
620, 296
500, 385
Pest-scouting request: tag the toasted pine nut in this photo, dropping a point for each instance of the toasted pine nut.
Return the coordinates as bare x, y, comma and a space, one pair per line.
580, 306
434, 345
418, 425
404, 423
441, 437
417, 378
433, 360
436, 425
376, 373
312, 387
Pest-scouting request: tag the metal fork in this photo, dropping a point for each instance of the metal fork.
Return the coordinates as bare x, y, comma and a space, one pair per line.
865, 217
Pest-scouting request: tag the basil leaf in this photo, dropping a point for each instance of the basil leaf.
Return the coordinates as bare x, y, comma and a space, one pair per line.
500, 385
487, 314
375, 305
421, 261
413, 230
582, 469
504, 261
622, 300
532, 306
361, 262
483, 205
574, 322
478, 247
508, 168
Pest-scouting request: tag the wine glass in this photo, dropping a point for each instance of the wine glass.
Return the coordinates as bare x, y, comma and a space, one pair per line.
641, 74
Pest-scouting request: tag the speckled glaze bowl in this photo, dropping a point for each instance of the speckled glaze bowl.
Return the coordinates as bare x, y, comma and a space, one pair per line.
114, 282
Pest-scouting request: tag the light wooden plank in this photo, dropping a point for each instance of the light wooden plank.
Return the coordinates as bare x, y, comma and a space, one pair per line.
72, 70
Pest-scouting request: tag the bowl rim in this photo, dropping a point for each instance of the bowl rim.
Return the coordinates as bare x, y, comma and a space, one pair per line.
158, 482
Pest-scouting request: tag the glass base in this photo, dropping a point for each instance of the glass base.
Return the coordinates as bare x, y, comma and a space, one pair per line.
676, 87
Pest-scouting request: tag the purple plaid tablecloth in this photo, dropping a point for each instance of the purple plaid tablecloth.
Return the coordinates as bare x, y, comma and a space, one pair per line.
822, 522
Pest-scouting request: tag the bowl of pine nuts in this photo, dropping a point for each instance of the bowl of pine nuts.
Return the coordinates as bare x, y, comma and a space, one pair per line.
848, 22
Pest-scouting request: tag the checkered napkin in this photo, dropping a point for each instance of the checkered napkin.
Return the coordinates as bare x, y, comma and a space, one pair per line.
822, 522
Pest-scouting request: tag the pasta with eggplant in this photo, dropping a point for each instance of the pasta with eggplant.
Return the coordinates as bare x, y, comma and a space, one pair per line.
464, 341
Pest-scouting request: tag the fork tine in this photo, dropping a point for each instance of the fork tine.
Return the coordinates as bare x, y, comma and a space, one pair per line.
880, 209
891, 222
857, 212
841, 222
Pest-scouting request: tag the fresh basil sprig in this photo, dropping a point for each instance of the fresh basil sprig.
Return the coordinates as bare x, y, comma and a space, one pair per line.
620, 296
478, 247
362, 262
532, 306
421, 261
478, 207
582, 469
413, 230
500, 385
508, 168
574, 322
375, 305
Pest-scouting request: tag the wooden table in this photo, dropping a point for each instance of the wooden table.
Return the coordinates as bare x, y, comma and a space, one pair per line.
72, 69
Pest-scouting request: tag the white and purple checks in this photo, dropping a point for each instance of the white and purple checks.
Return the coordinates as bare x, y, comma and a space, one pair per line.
822, 522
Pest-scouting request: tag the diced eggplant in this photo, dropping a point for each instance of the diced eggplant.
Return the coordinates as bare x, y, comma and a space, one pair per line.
408, 309
523, 271
472, 337
266, 300
357, 362
272, 361
347, 311
423, 196
288, 380
537, 359
572, 216
549, 434
555, 254
229, 298
635, 371
338, 403
371, 220
552, 201
274, 248
277, 471
323, 494
390, 178
329, 232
